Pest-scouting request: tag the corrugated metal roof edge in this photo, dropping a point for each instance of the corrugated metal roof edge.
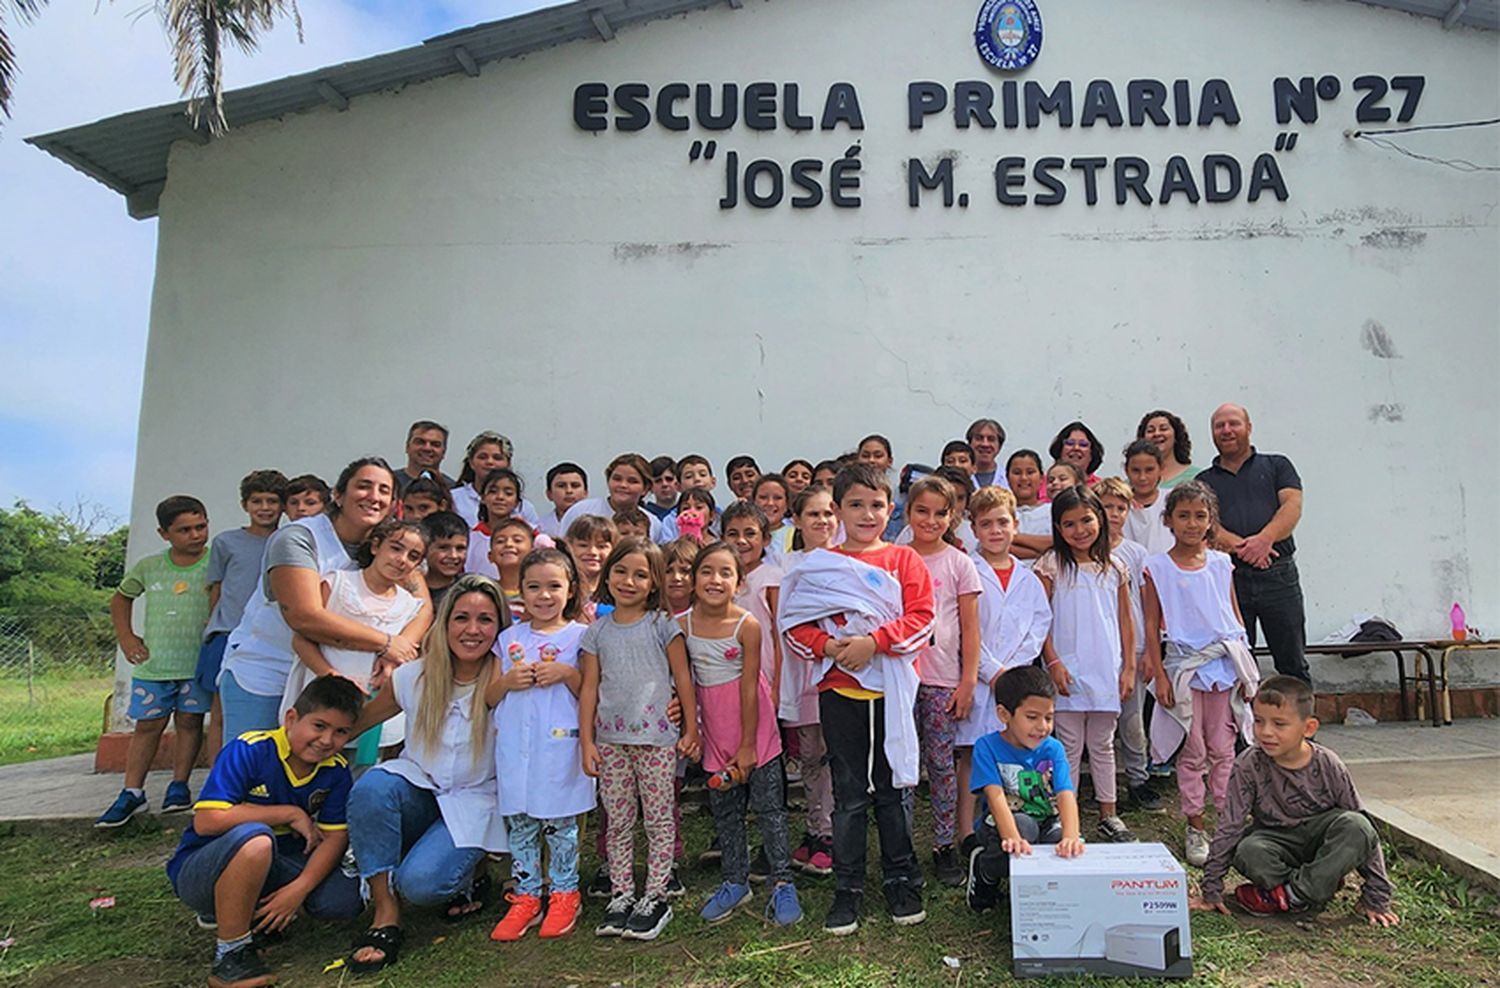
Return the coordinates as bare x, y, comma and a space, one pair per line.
153, 130
150, 132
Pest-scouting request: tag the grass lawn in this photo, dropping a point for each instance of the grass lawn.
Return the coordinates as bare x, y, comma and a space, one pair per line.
59, 716
1450, 934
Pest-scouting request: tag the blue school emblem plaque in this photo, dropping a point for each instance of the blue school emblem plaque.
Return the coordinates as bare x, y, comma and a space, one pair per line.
1009, 33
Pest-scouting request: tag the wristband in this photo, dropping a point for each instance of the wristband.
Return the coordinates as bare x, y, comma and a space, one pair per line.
384, 648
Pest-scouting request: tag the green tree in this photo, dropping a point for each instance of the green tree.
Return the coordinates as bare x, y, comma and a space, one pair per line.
56, 578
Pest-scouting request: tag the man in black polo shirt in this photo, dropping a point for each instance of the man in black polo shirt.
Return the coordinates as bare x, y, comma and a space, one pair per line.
426, 442
1260, 502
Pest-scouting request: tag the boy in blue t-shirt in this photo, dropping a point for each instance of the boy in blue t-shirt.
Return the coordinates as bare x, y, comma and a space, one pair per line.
1022, 774
269, 832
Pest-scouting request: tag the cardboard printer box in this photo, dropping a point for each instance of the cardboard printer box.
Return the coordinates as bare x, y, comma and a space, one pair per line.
1118, 909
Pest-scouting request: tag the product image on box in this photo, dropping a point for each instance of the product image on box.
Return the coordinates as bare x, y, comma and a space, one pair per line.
1143, 945
1118, 909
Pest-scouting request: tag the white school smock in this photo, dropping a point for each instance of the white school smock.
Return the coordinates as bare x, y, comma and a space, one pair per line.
828, 584
538, 768
1195, 604
478, 558
466, 503
600, 507
259, 651
1086, 631
1013, 624
1035, 520
462, 778
1132, 555
1144, 525
350, 596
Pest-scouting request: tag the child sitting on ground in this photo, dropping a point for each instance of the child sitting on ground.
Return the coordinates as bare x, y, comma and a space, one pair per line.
269, 831
1021, 773
1294, 825
163, 683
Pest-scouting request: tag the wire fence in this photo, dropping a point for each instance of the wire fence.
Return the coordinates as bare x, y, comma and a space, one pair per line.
56, 680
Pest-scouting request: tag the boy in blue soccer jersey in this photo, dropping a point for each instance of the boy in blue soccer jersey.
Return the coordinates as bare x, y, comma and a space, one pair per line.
269, 832
1022, 774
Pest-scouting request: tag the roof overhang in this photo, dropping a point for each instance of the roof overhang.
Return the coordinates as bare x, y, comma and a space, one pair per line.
129, 152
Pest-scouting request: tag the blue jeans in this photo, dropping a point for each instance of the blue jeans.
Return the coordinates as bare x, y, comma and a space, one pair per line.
526, 836
336, 897
246, 711
396, 829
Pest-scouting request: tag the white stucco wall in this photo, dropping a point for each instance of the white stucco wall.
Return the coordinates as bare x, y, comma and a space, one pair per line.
461, 251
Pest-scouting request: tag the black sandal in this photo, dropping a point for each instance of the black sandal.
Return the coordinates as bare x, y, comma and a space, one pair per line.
478, 897
386, 939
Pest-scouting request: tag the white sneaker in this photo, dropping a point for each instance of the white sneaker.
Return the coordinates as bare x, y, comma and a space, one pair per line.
1197, 847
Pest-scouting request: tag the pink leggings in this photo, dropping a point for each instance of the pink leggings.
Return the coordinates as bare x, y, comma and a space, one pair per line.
1209, 745
1096, 728
817, 780
628, 771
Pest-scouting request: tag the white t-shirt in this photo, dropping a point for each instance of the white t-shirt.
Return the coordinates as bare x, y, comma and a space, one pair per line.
1144, 526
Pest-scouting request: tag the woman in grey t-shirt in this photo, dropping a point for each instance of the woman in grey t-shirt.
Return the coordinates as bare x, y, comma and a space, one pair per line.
290, 598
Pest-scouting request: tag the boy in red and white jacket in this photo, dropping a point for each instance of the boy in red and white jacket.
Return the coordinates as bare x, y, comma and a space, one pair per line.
854, 717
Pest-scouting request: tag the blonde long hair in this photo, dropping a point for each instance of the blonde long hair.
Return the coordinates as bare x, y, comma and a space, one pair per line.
436, 692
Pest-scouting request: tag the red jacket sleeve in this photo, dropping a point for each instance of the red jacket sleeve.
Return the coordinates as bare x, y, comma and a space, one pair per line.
806, 641
912, 630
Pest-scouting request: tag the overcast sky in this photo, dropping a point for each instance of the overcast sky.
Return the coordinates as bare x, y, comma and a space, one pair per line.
75, 271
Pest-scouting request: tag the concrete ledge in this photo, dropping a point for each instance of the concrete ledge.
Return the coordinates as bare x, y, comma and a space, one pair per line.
1436, 844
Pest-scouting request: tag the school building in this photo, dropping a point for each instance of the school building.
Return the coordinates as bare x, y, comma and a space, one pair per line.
776, 225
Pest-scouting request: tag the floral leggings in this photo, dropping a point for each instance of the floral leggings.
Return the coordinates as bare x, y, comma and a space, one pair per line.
628, 771
936, 729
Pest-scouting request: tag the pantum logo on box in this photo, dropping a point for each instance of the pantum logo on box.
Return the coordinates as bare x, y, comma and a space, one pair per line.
1145, 884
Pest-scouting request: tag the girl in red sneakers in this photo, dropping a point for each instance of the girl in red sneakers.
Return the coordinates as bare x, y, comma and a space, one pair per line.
538, 770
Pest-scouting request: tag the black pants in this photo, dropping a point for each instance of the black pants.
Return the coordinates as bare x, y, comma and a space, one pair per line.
854, 731
1274, 598
994, 863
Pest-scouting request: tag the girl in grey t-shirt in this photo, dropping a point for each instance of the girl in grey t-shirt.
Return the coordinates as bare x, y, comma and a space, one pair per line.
631, 660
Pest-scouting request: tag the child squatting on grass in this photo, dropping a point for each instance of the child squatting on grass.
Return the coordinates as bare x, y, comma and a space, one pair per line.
1294, 824
269, 830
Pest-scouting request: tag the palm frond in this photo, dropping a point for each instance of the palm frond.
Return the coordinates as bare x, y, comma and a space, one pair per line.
24, 11
198, 30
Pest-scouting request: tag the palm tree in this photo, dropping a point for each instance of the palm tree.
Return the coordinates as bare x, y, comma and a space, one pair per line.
198, 30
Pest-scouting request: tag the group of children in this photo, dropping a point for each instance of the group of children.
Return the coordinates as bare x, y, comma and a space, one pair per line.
863, 628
